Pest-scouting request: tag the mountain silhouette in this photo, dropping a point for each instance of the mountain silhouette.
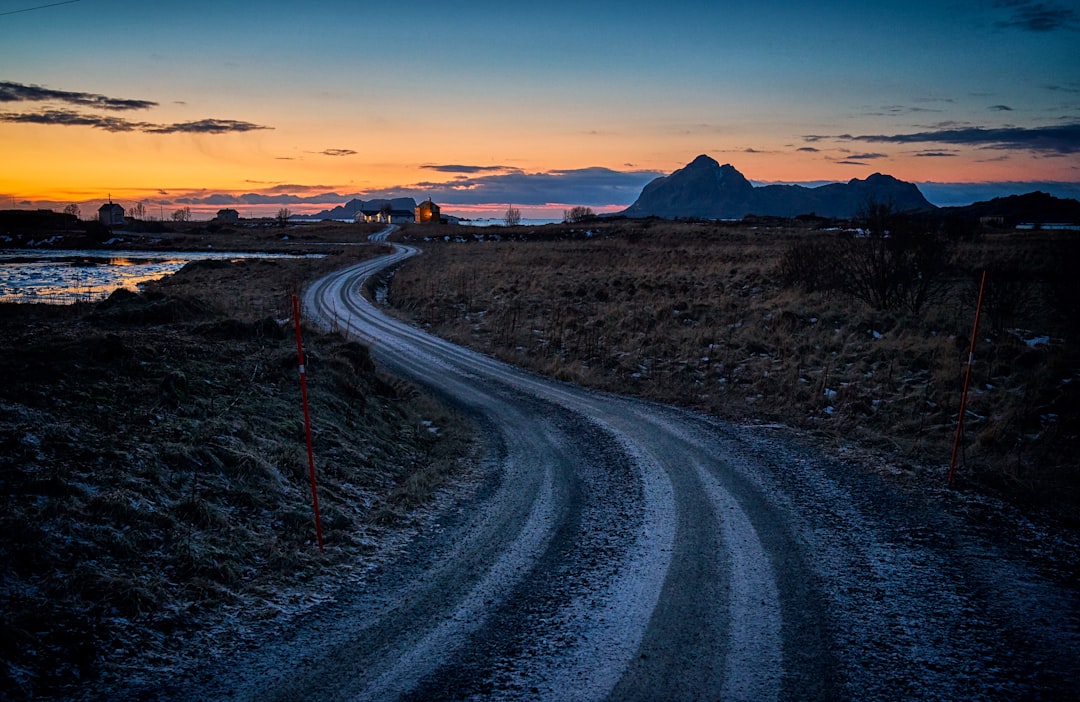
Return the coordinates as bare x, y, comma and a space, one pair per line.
703, 189
349, 209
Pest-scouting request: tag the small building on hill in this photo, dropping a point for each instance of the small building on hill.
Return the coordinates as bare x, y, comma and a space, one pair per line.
427, 212
111, 215
227, 215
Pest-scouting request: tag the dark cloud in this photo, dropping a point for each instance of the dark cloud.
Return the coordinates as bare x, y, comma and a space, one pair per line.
1036, 16
265, 198
70, 118
589, 186
585, 186
1062, 139
934, 154
458, 168
338, 152
1000, 108
17, 92
808, 149
851, 163
205, 126
865, 157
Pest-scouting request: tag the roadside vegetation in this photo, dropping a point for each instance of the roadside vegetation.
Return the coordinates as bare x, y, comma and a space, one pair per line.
859, 338
156, 502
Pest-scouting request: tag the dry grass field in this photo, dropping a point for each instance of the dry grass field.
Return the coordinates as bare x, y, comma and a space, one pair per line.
154, 472
718, 318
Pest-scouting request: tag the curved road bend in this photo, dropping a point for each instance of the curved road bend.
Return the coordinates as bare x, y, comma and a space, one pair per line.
623, 550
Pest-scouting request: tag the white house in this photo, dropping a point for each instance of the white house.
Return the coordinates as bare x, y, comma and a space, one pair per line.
111, 215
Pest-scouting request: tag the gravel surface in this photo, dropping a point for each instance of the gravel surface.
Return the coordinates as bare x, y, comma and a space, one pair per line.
618, 549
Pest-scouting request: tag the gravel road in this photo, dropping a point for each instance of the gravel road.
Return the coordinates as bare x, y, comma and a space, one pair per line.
618, 549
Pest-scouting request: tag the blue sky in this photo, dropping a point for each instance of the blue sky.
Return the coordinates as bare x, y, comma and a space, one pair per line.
479, 104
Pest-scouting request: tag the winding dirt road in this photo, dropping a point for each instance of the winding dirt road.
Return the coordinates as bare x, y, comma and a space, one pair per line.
618, 549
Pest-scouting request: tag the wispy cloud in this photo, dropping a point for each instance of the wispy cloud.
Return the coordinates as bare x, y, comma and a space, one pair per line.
1000, 108
39, 7
338, 152
459, 168
1036, 16
865, 157
70, 118
1061, 139
934, 154
18, 92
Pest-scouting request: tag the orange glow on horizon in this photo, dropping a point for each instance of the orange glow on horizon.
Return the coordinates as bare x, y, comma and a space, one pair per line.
62, 165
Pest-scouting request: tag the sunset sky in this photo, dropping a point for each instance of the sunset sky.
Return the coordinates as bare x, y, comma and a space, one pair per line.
480, 105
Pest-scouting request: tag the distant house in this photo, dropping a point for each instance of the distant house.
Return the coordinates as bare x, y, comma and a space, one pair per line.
385, 215
427, 212
366, 214
227, 215
111, 215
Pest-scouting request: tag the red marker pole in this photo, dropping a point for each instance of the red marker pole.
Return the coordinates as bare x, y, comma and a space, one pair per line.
967, 381
307, 421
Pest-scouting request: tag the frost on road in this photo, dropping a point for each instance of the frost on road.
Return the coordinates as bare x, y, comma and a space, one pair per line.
617, 549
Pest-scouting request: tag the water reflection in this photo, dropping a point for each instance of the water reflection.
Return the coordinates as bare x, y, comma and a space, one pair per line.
66, 277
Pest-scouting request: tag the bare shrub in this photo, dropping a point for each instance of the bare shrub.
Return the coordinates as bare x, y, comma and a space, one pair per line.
577, 214
890, 264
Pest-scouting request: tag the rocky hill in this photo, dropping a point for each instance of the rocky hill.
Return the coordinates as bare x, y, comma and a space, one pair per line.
1035, 208
704, 189
349, 209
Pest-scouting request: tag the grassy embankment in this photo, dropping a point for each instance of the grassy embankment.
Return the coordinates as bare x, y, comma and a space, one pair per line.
154, 473
711, 317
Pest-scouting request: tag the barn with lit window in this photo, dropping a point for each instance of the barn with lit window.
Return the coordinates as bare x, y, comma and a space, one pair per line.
427, 212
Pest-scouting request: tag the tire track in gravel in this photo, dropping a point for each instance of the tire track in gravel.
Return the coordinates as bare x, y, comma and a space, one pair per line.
618, 549
686, 602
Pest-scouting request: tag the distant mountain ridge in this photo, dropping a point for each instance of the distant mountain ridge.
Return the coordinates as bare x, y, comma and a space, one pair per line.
704, 189
349, 209
1035, 207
